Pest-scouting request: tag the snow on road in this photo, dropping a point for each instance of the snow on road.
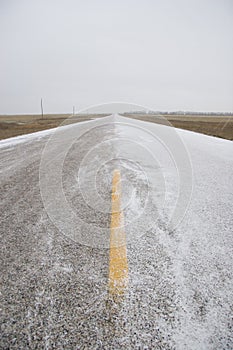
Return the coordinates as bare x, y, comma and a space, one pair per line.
177, 195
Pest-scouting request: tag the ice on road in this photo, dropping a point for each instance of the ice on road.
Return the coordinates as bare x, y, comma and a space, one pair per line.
177, 196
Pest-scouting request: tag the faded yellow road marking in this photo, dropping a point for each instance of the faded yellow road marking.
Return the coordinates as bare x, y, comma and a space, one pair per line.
118, 264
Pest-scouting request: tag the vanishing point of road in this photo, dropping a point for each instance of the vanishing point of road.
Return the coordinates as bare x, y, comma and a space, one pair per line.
116, 234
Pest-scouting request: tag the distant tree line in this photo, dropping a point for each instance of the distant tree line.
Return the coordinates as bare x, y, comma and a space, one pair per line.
181, 113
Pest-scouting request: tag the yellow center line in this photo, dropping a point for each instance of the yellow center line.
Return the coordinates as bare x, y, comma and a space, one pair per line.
118, 264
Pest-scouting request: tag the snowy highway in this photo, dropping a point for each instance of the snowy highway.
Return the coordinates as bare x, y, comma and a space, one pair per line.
116, 234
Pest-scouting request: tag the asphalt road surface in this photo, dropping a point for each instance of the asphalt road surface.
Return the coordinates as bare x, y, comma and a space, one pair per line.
116, 234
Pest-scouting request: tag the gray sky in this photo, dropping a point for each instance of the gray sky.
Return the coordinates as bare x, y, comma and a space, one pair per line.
164, 54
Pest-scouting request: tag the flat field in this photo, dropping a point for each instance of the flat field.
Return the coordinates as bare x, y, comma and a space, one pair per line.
213, 125
219, 126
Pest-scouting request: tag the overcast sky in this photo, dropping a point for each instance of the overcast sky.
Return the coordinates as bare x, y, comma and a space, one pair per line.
164, 54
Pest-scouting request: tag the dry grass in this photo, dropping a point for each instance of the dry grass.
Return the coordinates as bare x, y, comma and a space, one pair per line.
219, 126
14, 125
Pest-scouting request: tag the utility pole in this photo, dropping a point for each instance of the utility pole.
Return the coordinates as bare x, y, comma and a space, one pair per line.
73, 110
41, 105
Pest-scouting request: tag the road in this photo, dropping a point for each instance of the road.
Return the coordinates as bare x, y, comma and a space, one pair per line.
116, 234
